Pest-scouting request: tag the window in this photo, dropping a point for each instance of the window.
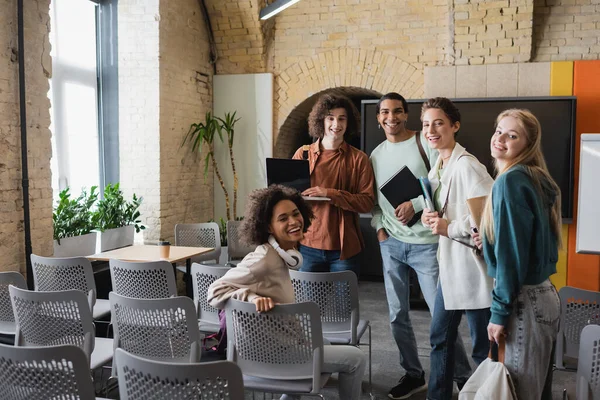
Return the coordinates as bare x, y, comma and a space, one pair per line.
83, 93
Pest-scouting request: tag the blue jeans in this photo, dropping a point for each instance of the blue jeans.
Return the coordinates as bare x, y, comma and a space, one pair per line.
398, 257
315, 260
444, 330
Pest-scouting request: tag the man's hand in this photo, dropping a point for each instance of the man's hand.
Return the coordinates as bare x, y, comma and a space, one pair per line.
263, 304
439, 226
405, 212
315, 191
382, 235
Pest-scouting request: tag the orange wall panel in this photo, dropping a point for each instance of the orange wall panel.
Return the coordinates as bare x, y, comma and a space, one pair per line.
584, 270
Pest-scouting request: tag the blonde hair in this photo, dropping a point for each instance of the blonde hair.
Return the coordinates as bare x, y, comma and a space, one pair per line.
533, 161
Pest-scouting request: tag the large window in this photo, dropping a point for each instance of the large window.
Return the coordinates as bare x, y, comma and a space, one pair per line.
83, 94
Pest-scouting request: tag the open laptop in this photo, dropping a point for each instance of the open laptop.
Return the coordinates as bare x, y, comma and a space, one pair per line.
291, 173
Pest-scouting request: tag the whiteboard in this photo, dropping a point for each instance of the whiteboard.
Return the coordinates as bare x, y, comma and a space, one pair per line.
588, 219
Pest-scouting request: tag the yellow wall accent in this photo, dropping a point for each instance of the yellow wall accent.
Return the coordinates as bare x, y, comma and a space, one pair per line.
561, 84
561, 78
560, 278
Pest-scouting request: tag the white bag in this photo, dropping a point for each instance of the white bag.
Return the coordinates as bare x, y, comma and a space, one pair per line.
490, 381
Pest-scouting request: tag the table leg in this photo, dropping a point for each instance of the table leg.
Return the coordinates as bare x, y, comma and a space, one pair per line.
188, 278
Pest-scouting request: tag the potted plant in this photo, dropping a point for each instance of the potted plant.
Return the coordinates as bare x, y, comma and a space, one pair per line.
116, 219
73, 224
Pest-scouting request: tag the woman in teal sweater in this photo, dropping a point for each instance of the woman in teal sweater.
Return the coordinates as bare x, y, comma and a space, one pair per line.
521, 236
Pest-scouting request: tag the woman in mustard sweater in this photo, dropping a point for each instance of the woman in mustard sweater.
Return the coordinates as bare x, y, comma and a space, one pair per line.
521, 236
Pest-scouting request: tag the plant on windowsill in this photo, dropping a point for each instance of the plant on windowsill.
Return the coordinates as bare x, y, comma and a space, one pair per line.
116, 218
73, 224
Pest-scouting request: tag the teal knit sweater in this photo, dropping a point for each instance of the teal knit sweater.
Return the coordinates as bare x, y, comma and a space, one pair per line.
525, 249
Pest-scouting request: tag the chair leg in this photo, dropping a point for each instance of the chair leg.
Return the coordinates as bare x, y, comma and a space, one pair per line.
370, 365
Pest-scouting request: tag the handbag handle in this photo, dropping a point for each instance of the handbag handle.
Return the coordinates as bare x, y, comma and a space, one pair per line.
497, 350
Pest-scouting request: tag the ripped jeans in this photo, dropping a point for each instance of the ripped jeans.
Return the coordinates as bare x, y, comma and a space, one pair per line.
531, 335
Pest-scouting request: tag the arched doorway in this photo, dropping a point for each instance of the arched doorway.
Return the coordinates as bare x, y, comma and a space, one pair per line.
294, 131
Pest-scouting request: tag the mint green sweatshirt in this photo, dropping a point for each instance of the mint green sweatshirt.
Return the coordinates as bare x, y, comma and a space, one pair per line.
525, 249
387, 159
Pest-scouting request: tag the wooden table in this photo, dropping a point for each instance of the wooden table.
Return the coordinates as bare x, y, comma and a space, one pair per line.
152, 253
146, 252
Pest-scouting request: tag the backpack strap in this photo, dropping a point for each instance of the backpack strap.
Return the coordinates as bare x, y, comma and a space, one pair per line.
305, 150
422, 151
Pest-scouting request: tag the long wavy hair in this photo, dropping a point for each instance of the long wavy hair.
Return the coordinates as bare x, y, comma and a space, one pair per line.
533, 160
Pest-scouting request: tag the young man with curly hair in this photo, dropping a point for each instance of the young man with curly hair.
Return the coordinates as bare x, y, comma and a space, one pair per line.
342, 173
275, 220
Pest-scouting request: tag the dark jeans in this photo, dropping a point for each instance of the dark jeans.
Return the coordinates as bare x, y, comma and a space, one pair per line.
315, 260
444, 330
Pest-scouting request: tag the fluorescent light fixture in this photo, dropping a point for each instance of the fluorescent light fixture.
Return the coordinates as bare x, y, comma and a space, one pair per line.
276, 7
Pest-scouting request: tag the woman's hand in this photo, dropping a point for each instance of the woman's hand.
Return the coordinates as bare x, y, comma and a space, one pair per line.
315, 191
439, 226
476, 238
427, 216
263, 304
495, 332
405, 212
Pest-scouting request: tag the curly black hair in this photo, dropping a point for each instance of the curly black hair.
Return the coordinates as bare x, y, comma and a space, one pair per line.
254, 229
326, 103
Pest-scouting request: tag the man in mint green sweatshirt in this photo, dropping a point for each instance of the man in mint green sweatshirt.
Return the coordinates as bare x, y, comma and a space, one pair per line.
403, 247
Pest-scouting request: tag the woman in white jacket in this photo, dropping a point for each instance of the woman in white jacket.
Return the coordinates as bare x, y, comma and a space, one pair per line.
275, 220
464, 286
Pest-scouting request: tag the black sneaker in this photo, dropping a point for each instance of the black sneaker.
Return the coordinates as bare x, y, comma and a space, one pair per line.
407, 386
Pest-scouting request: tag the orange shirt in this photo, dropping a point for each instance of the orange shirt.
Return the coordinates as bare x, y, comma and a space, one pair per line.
347, 175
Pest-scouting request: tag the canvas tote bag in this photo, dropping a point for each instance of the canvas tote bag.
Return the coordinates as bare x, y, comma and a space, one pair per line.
491, 380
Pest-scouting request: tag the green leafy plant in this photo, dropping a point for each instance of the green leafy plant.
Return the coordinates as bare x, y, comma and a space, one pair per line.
204, 132
223, 229
74, 217
113, 211
228, 125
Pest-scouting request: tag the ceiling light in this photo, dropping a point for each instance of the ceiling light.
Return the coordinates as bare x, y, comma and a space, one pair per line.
276, 7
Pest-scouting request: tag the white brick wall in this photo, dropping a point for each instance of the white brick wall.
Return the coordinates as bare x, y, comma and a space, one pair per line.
165, 83
38, 68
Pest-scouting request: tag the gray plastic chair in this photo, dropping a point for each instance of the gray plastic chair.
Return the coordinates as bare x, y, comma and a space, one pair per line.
236, 251
578, 308
204, 234
158, 329
7, 317
588, 367
143, 280
57, 372
58, 318
280, 351
336, 294
142, 379
65, 273
202, 277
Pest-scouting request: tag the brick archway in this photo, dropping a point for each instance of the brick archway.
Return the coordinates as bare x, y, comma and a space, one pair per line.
294, 131
358, 71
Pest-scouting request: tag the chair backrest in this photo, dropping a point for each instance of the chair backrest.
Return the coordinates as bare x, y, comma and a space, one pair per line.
204, 234
53, 318
7, 317
579, 308
202, 277
141, 379
64, 273
143, 280
336, 294
236, 250
159, 329
284, 343
588, 367
57, 372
